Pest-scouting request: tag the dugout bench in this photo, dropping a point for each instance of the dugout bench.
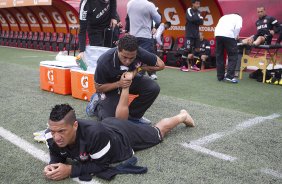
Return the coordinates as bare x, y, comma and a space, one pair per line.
260, 59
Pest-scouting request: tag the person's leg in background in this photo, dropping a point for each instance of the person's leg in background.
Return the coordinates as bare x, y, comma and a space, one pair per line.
195, 49
232, 52
220, 58
204, 61
96, 37
148, 45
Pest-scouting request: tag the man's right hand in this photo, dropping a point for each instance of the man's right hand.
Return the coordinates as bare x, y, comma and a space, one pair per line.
125, 80
80, 55
204, 14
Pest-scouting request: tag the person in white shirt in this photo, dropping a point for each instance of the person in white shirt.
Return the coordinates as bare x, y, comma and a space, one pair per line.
226, 33
141, 14
158, 35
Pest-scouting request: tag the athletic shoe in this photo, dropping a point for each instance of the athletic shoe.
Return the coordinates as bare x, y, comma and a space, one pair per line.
142, 120
268, 81
154, 77
40, 138
280, 83
195, 68
38, 133
184, 69
91, 106
234, 80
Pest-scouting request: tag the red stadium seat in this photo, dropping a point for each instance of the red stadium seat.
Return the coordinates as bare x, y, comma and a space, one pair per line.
53, 42
47, 41
67, 40
27, 36
19, 40
73, 43
13, 42
2, 36
180, 41
10, 39
34, 41
29, 40
60, 42
41, 40
168, 42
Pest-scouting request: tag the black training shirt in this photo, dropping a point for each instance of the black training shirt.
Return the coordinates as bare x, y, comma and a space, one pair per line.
97, 145
265, 24
109, 69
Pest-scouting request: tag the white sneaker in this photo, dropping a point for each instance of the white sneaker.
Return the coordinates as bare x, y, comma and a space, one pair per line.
154, 77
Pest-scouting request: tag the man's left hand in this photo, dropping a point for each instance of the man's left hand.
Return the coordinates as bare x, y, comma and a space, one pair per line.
60, 172
113, 23
154, 30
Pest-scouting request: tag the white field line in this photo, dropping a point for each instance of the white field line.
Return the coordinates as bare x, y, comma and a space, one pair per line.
272, 173
35, 56
242, 126
197, 145
209, 152
32, 150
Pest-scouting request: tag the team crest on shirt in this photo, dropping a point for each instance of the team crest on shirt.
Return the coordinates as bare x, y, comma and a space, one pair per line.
265, 21
83, 156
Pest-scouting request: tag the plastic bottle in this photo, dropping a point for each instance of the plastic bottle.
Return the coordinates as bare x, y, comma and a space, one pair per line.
81, 63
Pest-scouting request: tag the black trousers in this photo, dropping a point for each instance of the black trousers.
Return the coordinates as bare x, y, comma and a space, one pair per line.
96, 37
148, 45
147, 89
230, 45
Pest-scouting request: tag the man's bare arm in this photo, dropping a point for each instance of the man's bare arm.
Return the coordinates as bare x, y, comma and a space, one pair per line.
159, 66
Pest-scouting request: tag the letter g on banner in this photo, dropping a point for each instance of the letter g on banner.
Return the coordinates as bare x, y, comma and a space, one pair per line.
57, 17
174, 19
71, 17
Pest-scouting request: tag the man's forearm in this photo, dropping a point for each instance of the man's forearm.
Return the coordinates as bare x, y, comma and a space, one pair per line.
122, 111
103, 88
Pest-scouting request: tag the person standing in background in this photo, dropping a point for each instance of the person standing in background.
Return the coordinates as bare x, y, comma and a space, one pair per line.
226, 33
193, 20
141, 14
95, 17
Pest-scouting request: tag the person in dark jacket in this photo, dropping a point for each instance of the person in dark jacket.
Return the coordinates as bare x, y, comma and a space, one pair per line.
203, 54
81, 148
193, 20
95, 16
266, 28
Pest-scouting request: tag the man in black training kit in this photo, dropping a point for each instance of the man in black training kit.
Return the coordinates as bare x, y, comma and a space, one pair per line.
193, 20
82, 148
108, 82
95, 16
266, 25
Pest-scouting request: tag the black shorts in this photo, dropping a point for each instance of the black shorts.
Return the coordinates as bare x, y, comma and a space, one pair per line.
192, 43
141, 136
267, 36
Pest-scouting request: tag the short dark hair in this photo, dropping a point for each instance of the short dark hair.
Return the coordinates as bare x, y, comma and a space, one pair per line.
193, 1
261, 6
168, 24
63, 111
128, 43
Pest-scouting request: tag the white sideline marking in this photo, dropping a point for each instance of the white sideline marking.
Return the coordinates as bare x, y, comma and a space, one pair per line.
34, 56
209, 152
197, 144
272, 173
32, 150
246, 124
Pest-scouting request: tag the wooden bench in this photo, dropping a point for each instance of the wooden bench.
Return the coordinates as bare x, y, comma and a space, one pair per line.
260, 59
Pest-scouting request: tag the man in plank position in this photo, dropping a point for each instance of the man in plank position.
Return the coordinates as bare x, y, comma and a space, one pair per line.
82, 148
